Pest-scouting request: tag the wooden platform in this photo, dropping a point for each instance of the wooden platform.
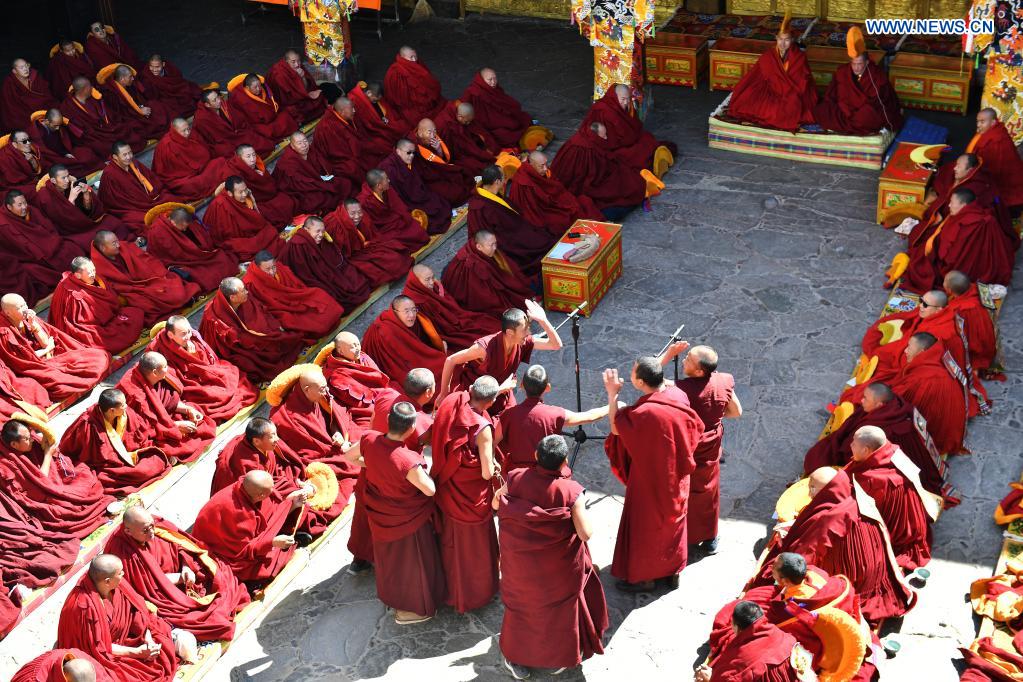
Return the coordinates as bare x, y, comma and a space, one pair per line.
933, 82
731, 58
676, 59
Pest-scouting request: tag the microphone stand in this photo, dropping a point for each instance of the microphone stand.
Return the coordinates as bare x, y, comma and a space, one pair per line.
677, 336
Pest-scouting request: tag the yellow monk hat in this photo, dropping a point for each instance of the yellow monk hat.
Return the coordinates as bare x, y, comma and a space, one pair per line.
240, 79
104, 74
894, 216
865, 369
653, 183
56, 48
842, 412
843, 643
282, 383
663, 160
166, 207
786, 23
4, 139
535, 136
927, 153
37, 422
855, 45
324, 353
419, 215
890, 331
324, 481
509, 164
42, 181
41, 114
793, 500
900, 262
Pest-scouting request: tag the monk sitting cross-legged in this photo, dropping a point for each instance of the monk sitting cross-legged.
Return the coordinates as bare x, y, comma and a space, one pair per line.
67, 63
185, 163
214, 386
240, 329
128, 99
402, 338
497, 111
337, 143
63, 665
481, 279
100, 127
275, 205
22, 395
411, 92
165, 84
457, 326
355, 381
255, 104
392, 218
75, 209
104, 46
23, 92
964, 299
295, 87
405, 177
313, 184
318, 261
34, 241
471, 146
87, 309
860, 99
626, 137
996, 148
380, 259
129, 189
442, 173
181, 242
309, 311
545, 202
382, 131
58, 142
237, 224
21, 164
222, 130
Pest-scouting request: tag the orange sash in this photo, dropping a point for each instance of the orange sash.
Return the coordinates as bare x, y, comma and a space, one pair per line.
106, 119
973, 143
141, 178
127, 96
431, 331
493, 197
428, 154
268, 99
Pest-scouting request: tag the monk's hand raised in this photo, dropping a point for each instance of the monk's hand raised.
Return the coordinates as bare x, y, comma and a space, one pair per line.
612, 383
509, 384
283, 541
193, 414
535, 311
676, 348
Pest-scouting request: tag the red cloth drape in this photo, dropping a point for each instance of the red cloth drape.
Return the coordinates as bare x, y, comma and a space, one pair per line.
471, 145
100, 126
381, 132
518, 239
546, 203
775, 93
488, 285
127, 198
76, 223
93, 315
225, 132
171, 89
324, 266
302, 180
19, 100
193, 251
626, 137
1001, 159
356, 384
239, 228
380, 259
859, 105
292, 90
338, 145
408, 182
49, 667
497, 111
587, 168
110, 51
457, 326
411, 92
20, 394
398, 349
40, 252
63, 69
392, 219
927, 384
144, 282
305, 310
126, 103
263, 114
979, 327
187, 166
277, 207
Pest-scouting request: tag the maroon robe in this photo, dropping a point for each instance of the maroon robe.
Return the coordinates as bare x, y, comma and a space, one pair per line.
457, 326
452, 182
224, 132
239, 228
523, 427
18, 172
356, 384
292, 90
144, 282
468, 537
192, 251
100, 126
309, 311
392, 218
775, 94
472, 147
128, 198
94, 315
497, 111
19, 101
381, 132
544, 201
652, 539
263, 114
75, 222
998, 153
324, 266
32, 556
337, 143
496, 363
127, 103
587, 168
378, 258
63, 69
930, 384
398, 349
518, 239
171, 89
411, 92
485, 285
187, 166
112, 51
277, 207
759, 653
41, 253
21, 394
302, 180
859, 105
626, 137
55, 146
49, 667
408, 182
980, 328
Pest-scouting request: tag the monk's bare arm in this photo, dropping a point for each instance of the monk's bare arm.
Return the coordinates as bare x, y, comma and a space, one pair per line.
539, 315
581, 520
44, 468
353, 455
495, 503
672, 351
485, 446
418, 477
613, 384
587, 417
471, 353
734, 408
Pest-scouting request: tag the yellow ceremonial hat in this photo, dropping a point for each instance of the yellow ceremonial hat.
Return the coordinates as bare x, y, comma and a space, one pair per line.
324, 353
104, 74
865, 369
843, 643
324, 481
792, 501
56, 48
166, 207
39, 424
239, 79
282, 383
786, 22
927, 153
534, 137
855, 45
419, 215
842, 412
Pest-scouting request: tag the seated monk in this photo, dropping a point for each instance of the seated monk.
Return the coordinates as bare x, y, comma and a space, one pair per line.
837, 532
481, 279
442, 173
305, 178
996, 148
139, 278
544, 201
296, 88
758, 651
308, 310
32, 348
32, 240
860, 100
457, 326
107, 619
401, 338
104, 46
64, 665
521, 241
129, 189
405, 177
275, 205
172, 571
778, 92
186, 165
87, 111
391, 218
155, 393
337, 143
128, 99
237, 224
497, 111
256, 106
378, 258
315, 427
57, 143
471, 146
626, 137
982, 338
75, 209
67, 62
222, 130
904, 426
260, 448
241, 330
411, 92
354, 378
165, 84
23, 92
248, 529
21, 164
180, 241
214, 386
381, 132
317, 260
85, 308
63, 496
24, 395
892, 481
587, 169
110, 438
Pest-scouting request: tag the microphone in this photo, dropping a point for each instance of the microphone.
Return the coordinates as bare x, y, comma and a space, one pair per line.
571, 316
674, 337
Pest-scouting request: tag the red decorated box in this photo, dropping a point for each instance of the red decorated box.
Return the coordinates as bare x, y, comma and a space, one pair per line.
902, 181
567, 284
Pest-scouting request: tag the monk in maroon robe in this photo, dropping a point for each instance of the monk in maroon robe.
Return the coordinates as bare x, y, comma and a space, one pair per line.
236, 223
214, 386
21, 164
224, 131
75, 209
411, 92
391, 218
129, 189
402, 338
588, 169
759, 650
652, 539
106, 618
308, 310
24, 91
497, 111
626, 137
63, 665
381, 131
142, 280
441, 171
104, 46
89, 311
248, 529
400, 510
463, 470
60, 143
110, 438
33, 241
183, 243
155, 392
101, 127
480, 278
22, 394
67, 62
255, 104
276, 206
186, 164
996, 148
33, 557
403, 174
318, 261
296, 88
457, 326
241, 330
470, 144
128, 99
354, 378
558, 621
300, 174
165, 84
544, 201
63, 496
379, 258
32, 348
778, 92
965, 301
337, 143
172, 571
860, 100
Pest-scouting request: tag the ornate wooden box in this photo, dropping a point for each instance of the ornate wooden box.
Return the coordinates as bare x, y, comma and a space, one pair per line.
926, 81
731, 58
824, 59
901, 182
566, 284
675, 59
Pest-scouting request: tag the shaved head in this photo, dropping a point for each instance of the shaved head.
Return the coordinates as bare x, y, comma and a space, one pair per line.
79, 670
484, 390
104, 566
422, 271
872, 437
258, 484
820, 479
956, 283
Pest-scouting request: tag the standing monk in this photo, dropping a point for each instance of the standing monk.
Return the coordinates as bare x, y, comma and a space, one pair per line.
275, 205
545, 202
186, 164
457, 326
165, 84
129, 189
651, 450
74, 207
237, 224
481, 279
297, 89
310, 311
223, 130
254, 103
500, 113
85, 308
626, 137
860, 100
24, 91
464, 463
391, 217
312, 184
181, 242
403, 173
995, 147
402, 338
411, 92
